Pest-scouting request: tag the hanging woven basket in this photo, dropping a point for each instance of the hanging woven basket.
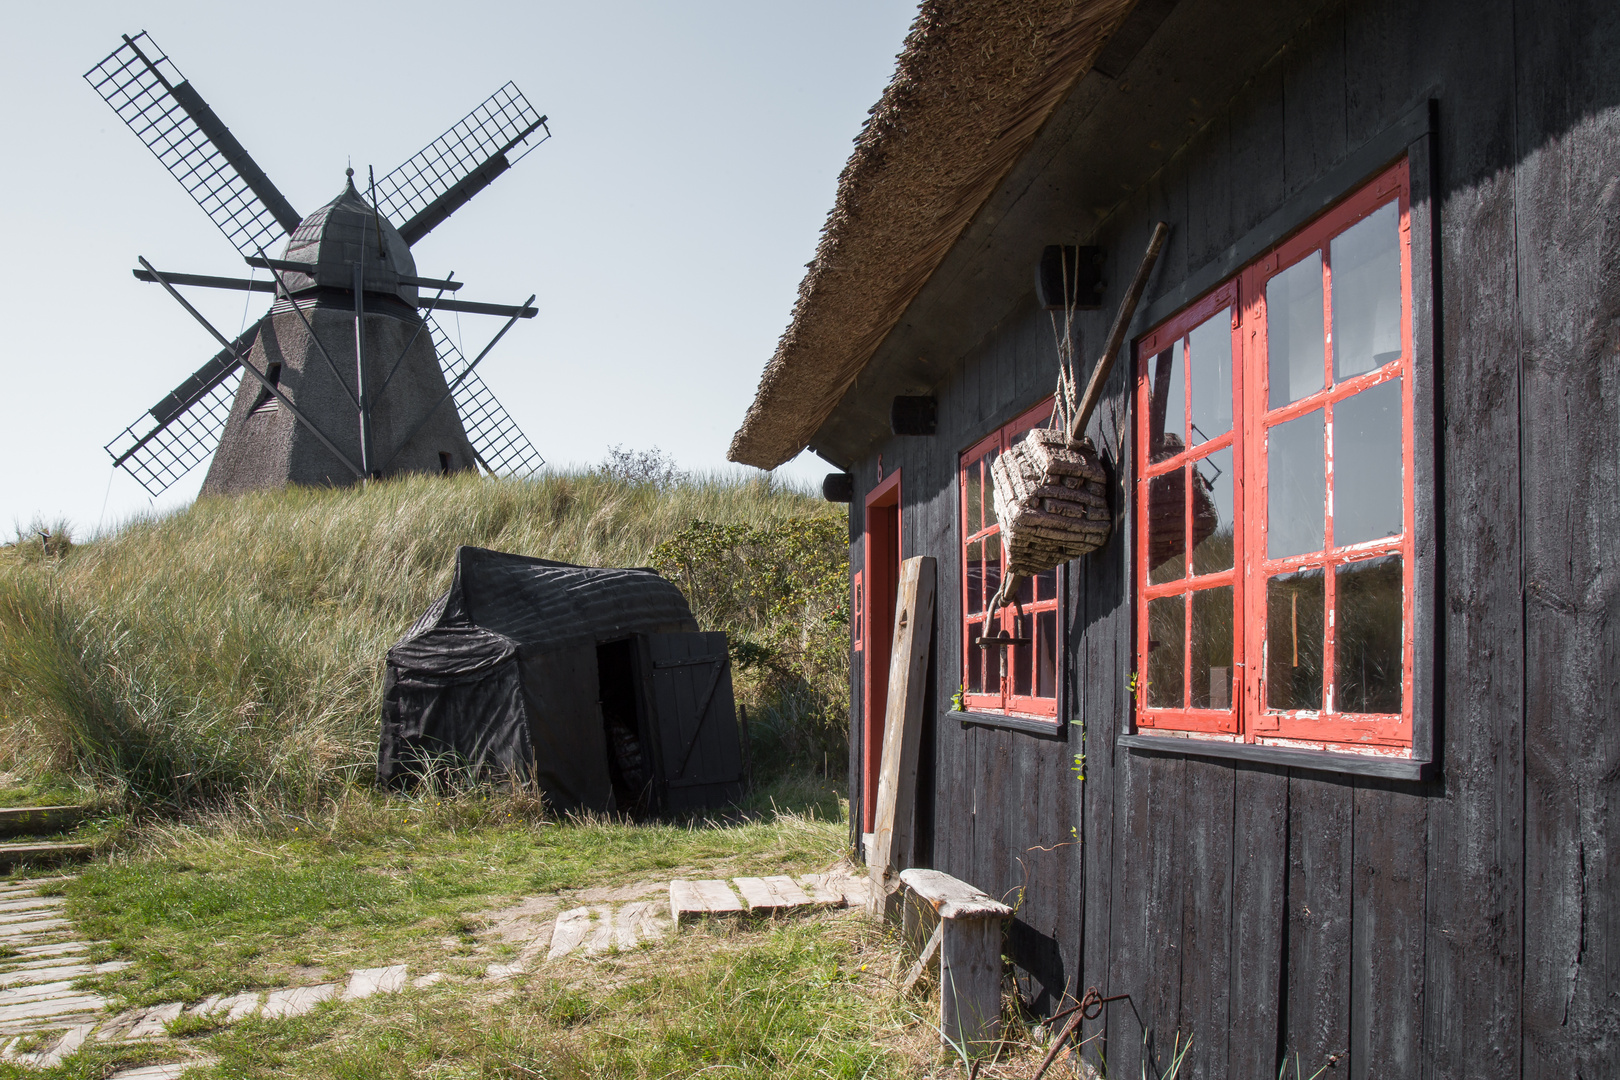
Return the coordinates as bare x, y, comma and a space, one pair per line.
1051, 498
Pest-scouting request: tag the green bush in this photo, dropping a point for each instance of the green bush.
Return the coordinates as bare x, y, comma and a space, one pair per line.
782, 590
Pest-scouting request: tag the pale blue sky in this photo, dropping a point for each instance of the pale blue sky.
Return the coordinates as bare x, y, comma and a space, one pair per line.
665, 227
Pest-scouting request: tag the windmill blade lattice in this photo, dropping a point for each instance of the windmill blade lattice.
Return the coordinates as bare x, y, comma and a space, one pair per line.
150, 95
501, 444
453, 168
181, 431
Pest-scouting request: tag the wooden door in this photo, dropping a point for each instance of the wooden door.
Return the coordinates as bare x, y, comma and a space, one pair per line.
690, 720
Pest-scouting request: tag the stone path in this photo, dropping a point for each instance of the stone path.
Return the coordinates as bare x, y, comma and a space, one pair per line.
597, 929
43, 959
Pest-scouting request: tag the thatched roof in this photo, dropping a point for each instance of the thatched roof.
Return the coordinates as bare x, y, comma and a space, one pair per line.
974, 84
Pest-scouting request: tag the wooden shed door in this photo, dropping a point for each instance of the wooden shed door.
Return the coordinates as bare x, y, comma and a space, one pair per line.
692, 720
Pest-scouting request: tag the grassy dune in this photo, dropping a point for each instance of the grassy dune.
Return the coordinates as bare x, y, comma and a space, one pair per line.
232, 653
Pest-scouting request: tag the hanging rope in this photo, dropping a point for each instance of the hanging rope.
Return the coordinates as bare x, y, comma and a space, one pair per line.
1050, 487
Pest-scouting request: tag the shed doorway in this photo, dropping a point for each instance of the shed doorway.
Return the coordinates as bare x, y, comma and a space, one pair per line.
669, 722
882, 573
621, 725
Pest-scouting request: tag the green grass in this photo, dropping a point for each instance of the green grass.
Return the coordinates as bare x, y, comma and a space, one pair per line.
221, 906
232, 653
210, 681
231, 903
786, 1001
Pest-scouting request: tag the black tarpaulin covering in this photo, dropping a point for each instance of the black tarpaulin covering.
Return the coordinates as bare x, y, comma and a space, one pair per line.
499, 676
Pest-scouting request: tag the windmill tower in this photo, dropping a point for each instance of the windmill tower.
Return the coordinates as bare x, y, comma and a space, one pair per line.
347, 376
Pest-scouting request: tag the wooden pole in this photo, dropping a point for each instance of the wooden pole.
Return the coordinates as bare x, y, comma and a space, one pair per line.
1116, 336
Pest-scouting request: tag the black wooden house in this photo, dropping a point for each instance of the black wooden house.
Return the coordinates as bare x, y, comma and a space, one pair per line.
1320, 761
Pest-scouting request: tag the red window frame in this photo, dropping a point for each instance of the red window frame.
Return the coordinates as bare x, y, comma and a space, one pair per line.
1020, 690
1248, 716
857, 610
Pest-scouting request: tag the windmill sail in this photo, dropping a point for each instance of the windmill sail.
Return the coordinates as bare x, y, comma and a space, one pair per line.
150, 95
500, 443
459, 164
181, 431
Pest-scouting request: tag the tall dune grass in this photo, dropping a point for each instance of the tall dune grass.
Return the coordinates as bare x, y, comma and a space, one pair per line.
234, 651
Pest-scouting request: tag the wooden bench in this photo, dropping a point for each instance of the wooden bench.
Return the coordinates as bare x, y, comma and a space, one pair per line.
964, 929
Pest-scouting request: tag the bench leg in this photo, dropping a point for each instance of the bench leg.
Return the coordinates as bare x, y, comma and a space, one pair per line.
970, 985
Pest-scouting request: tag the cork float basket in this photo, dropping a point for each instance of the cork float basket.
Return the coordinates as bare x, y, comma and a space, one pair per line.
1051, 494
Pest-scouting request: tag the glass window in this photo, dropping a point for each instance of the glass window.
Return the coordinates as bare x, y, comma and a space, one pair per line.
1307, 640
1022, 678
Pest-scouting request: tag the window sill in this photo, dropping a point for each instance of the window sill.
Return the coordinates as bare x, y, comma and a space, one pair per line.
1318, 760
1029, 725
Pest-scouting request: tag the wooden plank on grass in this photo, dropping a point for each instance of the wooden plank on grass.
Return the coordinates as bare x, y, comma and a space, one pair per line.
690, 900
15, 820
11, 854
902, 722
772, 893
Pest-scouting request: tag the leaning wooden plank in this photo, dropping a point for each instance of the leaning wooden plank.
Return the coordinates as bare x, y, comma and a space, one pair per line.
39, 819
926, 960
902, 722
772, 893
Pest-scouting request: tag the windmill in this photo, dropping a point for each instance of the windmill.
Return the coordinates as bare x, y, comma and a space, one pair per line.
347, 376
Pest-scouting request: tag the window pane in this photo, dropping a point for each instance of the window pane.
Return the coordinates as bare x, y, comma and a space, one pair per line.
992, 565
1294, 640
1166, 640
1296, 486
1167, 411
1368, 491
975, 577
987, 497
1026, 590
1212, 648
1023, 659
1367, 636
1213, 526
1366, 264
972, 477
1294, 330
1046, 651
976, 659
1046, 585
1210, 348
1167, 527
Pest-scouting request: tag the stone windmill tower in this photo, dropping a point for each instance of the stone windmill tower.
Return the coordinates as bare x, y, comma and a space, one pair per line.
347, 376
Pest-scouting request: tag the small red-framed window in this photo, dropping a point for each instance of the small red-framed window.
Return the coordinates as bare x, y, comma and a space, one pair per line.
1020, 679
1275, 524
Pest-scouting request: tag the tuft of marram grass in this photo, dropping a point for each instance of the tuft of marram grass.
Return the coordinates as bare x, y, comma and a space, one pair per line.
232, 653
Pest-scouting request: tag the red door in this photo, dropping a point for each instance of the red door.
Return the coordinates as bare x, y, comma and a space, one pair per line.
882, 577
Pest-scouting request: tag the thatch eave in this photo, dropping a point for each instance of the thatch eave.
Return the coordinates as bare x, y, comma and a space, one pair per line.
973, 86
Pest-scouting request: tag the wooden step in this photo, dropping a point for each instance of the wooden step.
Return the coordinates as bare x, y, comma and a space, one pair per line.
12, 854
19, 820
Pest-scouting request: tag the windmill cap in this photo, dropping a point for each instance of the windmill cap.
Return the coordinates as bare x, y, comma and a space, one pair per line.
345, 231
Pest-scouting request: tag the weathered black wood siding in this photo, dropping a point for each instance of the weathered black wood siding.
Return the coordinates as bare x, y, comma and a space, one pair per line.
1468, 926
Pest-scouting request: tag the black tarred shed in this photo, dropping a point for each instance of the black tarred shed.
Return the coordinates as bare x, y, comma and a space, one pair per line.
592, 682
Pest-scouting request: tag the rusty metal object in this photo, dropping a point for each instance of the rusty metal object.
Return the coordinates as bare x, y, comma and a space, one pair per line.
1088, 1007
